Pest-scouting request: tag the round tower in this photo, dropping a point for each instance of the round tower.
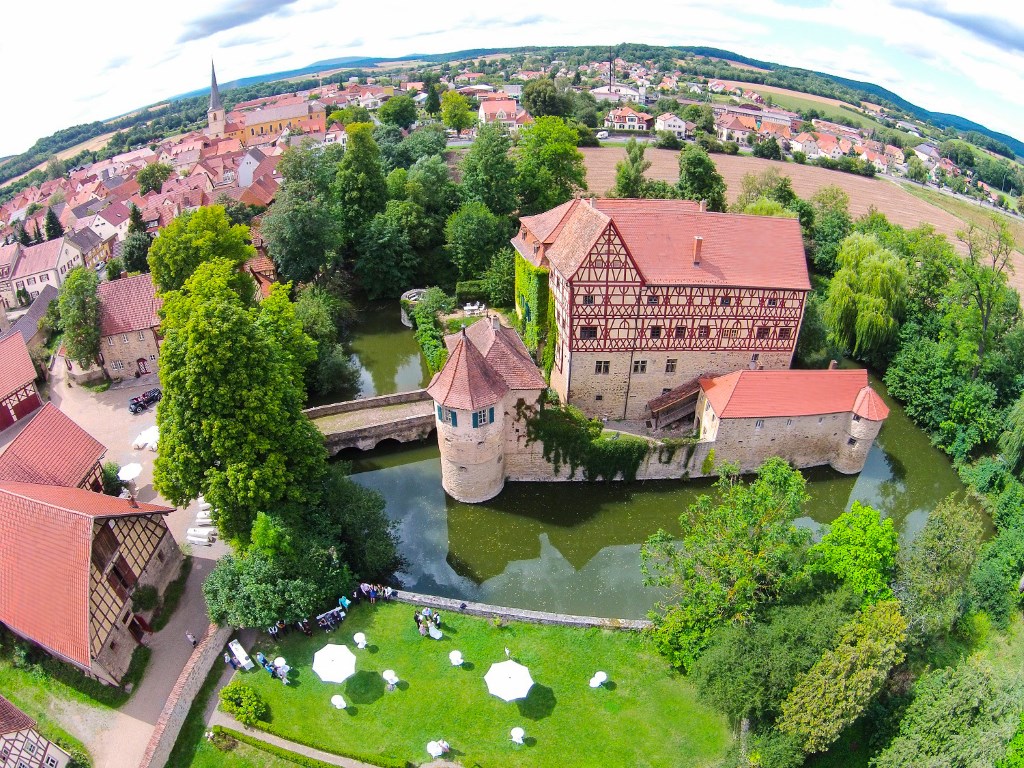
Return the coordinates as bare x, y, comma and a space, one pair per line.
865, 421
469, 409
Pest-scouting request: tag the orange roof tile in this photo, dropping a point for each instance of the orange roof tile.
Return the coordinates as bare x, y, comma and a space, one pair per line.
466, 381
504, 351
128, 304
765, 394
44, 561
16, 369
51, 450
13, 719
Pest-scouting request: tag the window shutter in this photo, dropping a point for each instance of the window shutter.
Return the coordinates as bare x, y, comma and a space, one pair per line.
476, 420
490, 416
455, 419
440, 415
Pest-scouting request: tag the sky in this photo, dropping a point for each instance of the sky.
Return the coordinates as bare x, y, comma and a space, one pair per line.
93, 61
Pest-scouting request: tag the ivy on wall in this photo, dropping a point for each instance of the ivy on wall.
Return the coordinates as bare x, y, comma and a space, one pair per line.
532, 303
429, 334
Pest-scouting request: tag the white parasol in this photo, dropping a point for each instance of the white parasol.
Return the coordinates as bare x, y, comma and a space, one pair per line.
334, 663
129, 472
508, 680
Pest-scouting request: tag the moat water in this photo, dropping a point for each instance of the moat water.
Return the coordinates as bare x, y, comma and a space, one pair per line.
574, 547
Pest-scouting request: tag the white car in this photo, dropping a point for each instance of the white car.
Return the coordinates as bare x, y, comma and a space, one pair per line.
602, 134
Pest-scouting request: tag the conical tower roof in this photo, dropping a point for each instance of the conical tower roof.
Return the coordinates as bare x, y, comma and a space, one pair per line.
467, 382
215, 102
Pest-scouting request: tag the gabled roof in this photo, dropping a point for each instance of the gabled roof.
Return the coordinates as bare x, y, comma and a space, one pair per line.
504, 351
765, 394
16, 369
466, 381
13, 719
39, 258
28, 324
45, 559
51, 450
128, 304
115, 214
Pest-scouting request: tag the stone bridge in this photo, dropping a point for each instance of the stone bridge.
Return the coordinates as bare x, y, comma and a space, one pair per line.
405, 417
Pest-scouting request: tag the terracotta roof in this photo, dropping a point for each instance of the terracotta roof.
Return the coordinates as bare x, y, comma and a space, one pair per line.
466, 381
13, 719
16, 369
764, 394
44, 561
545, 226
128, 304
39, 258
504, 351
9, 253
51, 450
115, 214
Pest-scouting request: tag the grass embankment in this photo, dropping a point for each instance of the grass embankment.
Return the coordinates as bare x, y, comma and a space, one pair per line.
645, 716
965, 210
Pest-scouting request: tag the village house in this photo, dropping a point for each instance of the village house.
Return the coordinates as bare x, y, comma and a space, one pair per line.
54, 450
628, 119
617, 93
95, 249
504, 112
9, 254
112, 221
732, 128
28, 324
649, 294
45, 263
674, 125
95, 551
22, 746
928, 154
129, 326
18, 394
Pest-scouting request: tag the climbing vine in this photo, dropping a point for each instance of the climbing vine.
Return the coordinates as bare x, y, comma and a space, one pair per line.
551, 342
570, 439
532, 305
429, 331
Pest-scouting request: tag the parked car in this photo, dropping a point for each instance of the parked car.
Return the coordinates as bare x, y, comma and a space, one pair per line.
602, 134
146, 399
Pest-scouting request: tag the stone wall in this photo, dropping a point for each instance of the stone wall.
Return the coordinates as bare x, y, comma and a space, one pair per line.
115, 349
416, 396
180, 699
406, 430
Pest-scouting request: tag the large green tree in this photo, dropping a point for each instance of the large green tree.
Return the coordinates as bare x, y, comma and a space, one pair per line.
541, 97
360, 187
398, 110
699, 179
549, 167
932, 570
860, 549
455, 112
473, 235
135, 251
80, 316
231, 422
433, 103
866, 298
737, 552
152, 177
301, 232
836, 690
52, 225
488, 173
193, 238
629, 172
385, 262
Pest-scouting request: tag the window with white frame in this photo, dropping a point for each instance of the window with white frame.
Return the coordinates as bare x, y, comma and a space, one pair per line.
759, 424
142, 335
117, 365
110, 341
124, 337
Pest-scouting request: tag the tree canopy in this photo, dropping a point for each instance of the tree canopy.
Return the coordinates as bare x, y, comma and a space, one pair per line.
549, 167
488, 173
455, 112
859, 549
699, 179
398, 110
80, 316
152, 177
193, 238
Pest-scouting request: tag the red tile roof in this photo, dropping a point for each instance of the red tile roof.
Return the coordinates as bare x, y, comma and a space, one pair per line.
45, 556
504, 351
13, 719
764, 394
51, 450
16, 369
466, 381
39, 258
128, 304
737, 249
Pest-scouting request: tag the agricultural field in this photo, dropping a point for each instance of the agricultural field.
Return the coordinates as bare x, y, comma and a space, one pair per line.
892, 199
968, 210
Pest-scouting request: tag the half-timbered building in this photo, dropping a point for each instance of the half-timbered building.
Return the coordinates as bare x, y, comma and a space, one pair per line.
22, 746
18, 394
53, 450
649, 295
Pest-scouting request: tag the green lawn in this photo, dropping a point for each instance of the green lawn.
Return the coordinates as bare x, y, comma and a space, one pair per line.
827, 111
964, 209
646, 716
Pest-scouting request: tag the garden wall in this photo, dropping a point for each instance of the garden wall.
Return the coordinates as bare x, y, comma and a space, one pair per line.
180, 699
416, 396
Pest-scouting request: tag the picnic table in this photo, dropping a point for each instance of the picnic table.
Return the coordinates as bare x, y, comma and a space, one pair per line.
474, 309
240, 655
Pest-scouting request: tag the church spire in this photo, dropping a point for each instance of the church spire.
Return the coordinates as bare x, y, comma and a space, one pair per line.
215, 102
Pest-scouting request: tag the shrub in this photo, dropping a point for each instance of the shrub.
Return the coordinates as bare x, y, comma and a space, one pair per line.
468, 291
243, 702
500, 278
112, 484
145, 598
667, 140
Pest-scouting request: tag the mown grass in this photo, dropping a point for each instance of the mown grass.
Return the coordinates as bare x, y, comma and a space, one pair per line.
966, 211
646, 716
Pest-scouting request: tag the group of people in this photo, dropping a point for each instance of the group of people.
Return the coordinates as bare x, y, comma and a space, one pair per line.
281, 672
372, 591
428, 622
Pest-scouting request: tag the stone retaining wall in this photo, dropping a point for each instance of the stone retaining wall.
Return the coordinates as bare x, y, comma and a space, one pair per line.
416, 396
407, 430
180, 699
518, 614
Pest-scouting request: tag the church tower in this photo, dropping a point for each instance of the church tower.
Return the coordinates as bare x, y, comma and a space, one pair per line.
215, 116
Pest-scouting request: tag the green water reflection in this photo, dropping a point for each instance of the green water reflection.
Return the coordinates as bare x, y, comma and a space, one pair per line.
574, 547
388, 357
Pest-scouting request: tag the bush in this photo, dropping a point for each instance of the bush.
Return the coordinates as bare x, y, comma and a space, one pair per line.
429, 333
145, 598
468, 291
500, 278
667, 140
243, 702
112, 484
731, 148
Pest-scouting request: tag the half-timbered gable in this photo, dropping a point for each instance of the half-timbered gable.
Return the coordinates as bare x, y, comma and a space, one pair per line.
651, 293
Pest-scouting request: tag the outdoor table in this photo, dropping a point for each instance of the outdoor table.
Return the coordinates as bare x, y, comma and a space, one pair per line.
240, 655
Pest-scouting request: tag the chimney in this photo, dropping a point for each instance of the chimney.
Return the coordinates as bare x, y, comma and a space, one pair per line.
833, 364
703, 206
495, 323
698, 242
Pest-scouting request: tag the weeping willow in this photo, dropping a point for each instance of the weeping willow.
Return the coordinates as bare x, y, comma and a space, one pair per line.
867, 297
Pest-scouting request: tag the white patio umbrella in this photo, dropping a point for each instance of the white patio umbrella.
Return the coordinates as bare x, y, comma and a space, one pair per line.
334, 663
129, 472
508, 680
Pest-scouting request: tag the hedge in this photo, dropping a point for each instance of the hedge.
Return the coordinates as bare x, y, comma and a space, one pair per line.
295, 757
471, 291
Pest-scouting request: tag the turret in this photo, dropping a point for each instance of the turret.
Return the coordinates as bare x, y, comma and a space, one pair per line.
869, 411
469, 407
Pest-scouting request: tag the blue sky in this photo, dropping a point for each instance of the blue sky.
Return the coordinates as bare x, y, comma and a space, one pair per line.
90, 61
